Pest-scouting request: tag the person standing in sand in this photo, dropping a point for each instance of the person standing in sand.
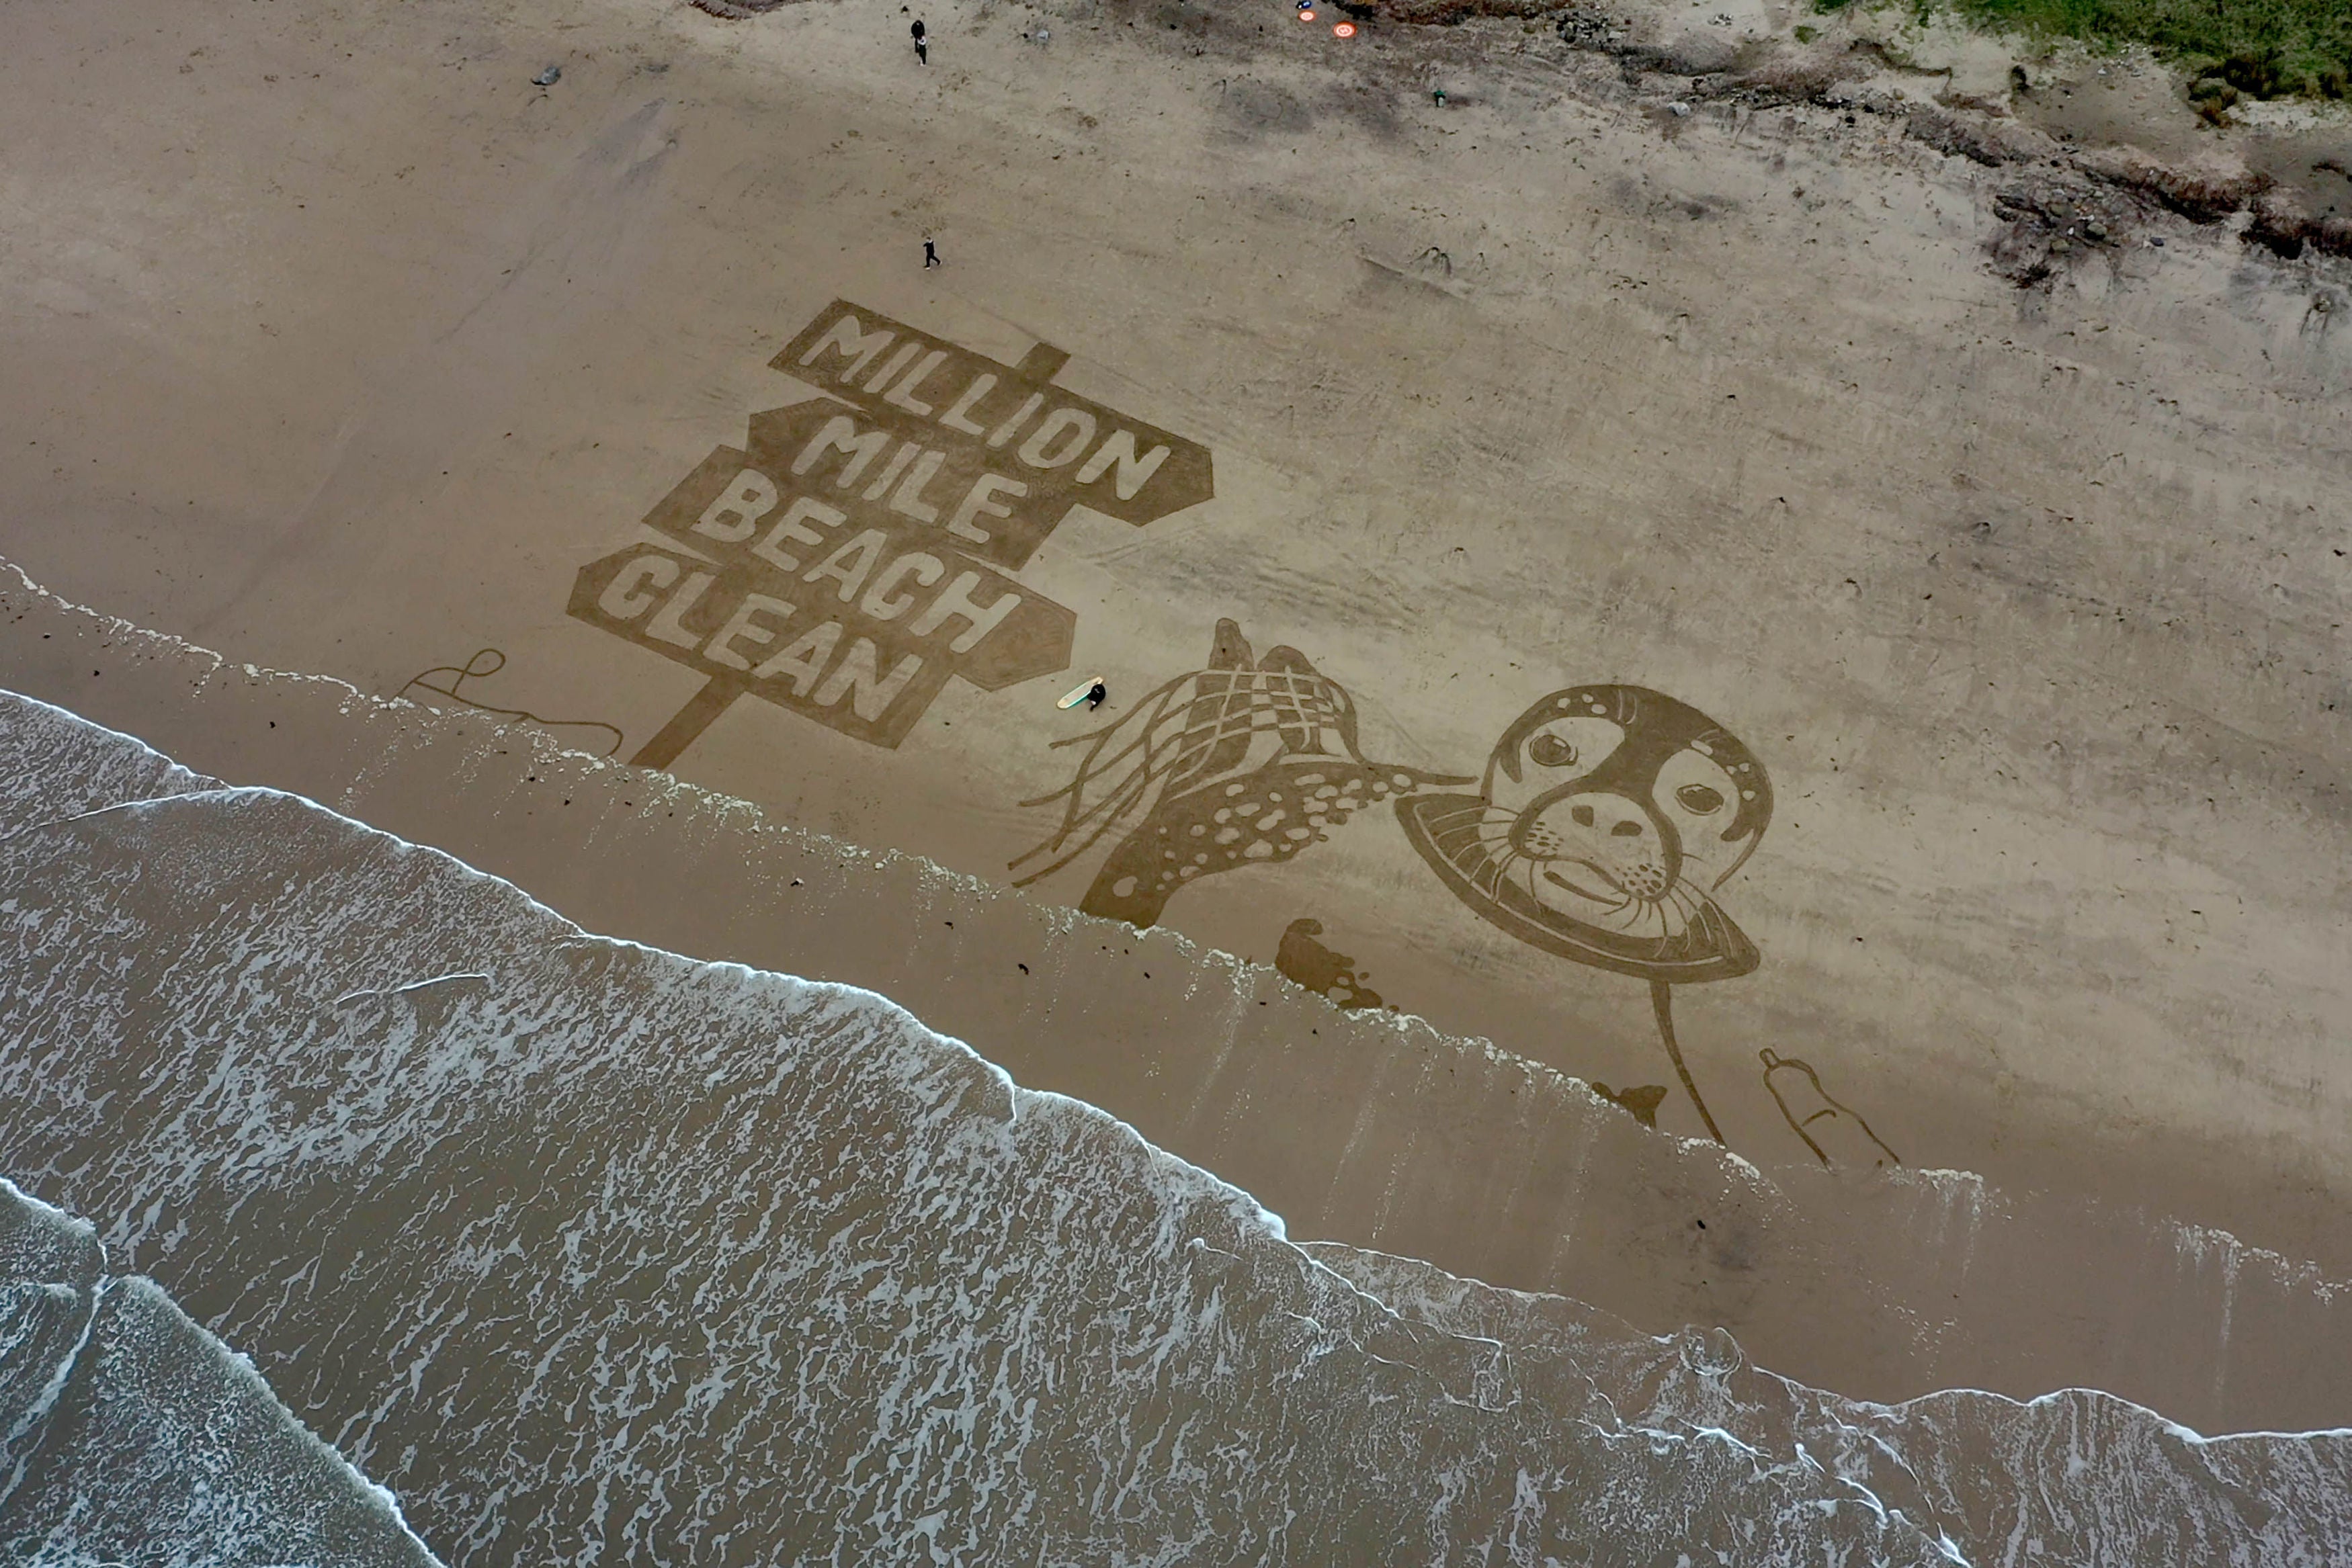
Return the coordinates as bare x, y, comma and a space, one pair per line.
1095, 696
932, 254
923, 47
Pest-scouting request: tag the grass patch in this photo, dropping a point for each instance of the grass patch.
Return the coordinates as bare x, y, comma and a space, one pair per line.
2261, 48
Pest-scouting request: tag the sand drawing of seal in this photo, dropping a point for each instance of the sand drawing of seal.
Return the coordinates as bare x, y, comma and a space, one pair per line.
1608, 817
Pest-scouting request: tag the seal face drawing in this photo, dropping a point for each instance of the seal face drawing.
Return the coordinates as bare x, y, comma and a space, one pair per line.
1608, 817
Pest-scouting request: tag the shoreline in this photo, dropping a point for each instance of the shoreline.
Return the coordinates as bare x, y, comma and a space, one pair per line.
1439, 1148
807, 1225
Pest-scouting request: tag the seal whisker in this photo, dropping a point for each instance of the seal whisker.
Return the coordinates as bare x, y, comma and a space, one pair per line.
1490, 873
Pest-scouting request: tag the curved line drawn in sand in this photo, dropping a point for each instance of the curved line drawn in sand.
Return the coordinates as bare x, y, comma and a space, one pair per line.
1304, 961
1246, 762
1608, 817
482, 664
1835, 1131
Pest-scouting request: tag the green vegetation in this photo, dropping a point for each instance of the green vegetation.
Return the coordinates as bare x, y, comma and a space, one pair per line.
2258, 48
2263, 48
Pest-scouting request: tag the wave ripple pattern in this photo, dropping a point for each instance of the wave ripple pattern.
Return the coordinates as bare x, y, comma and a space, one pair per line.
597, 1254
127, 1435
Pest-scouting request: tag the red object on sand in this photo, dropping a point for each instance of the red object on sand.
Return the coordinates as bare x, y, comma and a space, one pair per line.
1307, 16
1344, 30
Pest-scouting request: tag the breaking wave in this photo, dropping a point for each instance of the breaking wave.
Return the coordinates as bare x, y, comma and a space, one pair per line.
595, 1253
130, 1434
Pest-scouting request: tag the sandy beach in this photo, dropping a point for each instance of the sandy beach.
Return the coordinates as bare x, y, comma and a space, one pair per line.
1815, 608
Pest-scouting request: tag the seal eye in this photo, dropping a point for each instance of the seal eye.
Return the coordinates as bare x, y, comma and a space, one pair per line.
1699, 799
1551, 751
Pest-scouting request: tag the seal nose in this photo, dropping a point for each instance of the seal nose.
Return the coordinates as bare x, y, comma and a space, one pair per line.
1613, 833
1625, 819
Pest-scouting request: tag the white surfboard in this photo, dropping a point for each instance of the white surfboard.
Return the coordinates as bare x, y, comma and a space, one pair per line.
1079, 693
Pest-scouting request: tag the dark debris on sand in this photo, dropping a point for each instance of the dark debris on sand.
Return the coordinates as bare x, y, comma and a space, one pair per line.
2075, 204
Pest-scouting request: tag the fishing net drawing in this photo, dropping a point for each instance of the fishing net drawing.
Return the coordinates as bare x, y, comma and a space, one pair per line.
1246, 762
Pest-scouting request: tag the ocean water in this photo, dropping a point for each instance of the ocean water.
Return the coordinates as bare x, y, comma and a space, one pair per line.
130, 1434
591, 1254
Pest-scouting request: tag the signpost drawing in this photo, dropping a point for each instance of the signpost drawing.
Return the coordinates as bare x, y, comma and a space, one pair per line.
858, 550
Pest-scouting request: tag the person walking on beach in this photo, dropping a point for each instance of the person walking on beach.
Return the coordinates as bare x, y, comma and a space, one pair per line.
932, 254
1095, 696
923, 47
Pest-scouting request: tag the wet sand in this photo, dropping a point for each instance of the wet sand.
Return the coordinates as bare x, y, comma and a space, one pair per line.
1364, 1129
341, 347
590, 1251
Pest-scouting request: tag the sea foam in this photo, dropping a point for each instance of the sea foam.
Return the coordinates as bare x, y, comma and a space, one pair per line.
130, 1434
593, 1253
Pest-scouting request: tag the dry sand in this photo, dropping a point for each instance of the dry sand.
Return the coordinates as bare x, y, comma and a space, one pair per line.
338, 346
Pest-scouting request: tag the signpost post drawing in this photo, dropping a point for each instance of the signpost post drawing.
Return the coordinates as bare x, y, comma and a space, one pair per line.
858, 550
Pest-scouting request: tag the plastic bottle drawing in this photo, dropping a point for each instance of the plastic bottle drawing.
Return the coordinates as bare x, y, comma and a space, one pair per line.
1835, 1133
